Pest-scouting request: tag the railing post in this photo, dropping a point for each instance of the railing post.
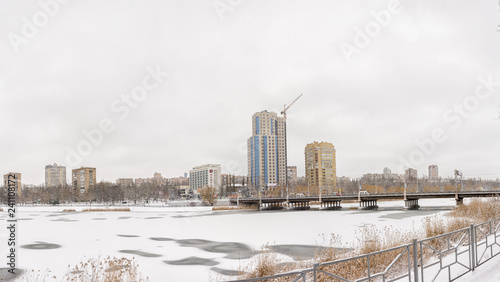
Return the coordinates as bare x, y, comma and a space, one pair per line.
314, 271
473, 246
415, 260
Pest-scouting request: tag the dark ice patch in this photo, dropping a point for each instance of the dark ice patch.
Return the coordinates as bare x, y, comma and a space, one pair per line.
192, 261
160, 239
41, 246
233, 250
140, 253
227, 272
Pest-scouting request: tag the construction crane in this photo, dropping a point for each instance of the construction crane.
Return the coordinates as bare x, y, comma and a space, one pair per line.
285, 108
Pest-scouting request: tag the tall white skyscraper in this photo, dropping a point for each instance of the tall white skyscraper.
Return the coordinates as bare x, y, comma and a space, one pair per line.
267, 151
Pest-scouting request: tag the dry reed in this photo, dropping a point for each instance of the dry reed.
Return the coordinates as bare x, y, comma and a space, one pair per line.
106, 269
106, 210
228, 208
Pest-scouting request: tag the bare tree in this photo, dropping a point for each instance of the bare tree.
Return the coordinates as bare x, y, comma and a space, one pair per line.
209, 195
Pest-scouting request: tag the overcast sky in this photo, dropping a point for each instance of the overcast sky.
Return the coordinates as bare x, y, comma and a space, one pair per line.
372, 88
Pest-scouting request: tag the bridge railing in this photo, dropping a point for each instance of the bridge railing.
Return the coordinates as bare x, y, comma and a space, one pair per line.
447, 256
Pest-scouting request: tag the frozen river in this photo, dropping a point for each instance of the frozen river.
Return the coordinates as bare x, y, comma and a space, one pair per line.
192, 243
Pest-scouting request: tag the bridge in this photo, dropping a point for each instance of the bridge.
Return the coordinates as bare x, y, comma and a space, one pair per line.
366, 201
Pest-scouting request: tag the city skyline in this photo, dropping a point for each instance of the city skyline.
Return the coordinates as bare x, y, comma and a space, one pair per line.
145, 88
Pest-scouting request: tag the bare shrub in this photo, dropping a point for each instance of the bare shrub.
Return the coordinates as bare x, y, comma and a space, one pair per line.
105, 269
69, 210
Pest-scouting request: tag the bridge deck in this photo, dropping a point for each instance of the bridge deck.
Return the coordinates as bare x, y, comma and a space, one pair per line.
370, 197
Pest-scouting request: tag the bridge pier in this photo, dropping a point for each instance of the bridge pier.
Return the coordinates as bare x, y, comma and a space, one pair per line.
459, 201
331, 205
300, 205
412, 204
272, 206
368, 204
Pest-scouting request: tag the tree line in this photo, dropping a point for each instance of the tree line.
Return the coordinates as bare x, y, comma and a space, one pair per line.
103, 192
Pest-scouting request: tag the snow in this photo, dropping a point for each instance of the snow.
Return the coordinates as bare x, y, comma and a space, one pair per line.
485, 272
90, 234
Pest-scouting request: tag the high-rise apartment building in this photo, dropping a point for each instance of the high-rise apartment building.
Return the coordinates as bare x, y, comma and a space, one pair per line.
17, 179
411, 174
433, 173
84, 178
208, 175
267, 151
321, 166
55, 175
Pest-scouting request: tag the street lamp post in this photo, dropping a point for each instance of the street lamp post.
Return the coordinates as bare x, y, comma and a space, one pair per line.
359, 191
308, 185
404, 181
260, 199
320, 189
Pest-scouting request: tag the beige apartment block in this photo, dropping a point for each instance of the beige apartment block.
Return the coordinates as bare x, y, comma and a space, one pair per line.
55, 175
84, 178
321, 170
17, 179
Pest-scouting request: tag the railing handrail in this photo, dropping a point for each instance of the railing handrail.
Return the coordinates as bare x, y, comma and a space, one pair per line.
364, 255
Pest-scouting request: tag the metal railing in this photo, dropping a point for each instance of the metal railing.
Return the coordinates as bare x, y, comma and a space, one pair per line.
487, 241
450, 255
444, 255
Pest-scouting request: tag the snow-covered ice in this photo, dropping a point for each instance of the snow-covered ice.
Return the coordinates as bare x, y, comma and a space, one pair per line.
187, 235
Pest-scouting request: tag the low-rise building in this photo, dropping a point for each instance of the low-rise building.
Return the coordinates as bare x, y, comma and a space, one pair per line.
125, 182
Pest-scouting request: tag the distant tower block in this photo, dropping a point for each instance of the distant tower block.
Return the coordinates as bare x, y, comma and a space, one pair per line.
321, 168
